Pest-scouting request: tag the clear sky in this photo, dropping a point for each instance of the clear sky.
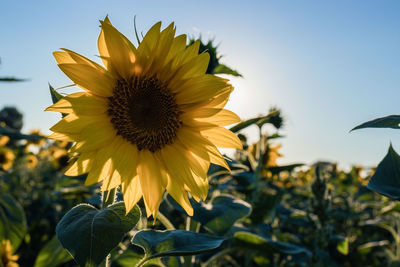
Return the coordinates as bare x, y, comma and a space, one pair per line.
329, 65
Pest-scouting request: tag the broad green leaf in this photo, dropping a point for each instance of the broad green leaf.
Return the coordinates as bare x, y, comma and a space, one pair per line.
12, 221
90, 234
223, 69
52, 254
220, 214
386, 180
255, 242
391, 121
175, 243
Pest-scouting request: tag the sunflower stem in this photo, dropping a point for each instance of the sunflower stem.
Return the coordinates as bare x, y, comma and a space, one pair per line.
257, 171
107, 198
164, 220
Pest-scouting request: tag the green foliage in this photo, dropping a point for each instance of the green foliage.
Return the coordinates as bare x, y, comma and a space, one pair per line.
174, 243
386, 180
52, 254
90, 234
219, 214
12, 220
391, 121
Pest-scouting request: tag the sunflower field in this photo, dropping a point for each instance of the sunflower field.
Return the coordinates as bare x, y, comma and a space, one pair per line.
132, 174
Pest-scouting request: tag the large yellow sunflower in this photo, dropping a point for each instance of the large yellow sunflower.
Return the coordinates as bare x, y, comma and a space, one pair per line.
150, 120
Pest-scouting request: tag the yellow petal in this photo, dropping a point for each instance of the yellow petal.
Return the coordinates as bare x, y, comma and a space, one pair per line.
80, 103
76, 124
102, 166
132, 193
63, 137
82, 165
94, 136
70, 57
222, 137
199, 145
120, 50
199, 89
179, 169
149, 41
125, 160
209, 116
152, 180
177, 191
90, 79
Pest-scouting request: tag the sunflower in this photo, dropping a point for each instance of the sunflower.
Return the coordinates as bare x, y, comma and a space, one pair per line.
31, 161
4, 140
7, 259
150, 120
6, 158
36, 142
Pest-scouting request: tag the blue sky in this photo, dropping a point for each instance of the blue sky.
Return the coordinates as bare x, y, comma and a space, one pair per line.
328, 65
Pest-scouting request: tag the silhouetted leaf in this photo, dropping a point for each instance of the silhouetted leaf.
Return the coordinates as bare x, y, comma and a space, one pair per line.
52, 254
289, 168
12, 221
13, 134
223, 69
55, 96
90, 234
391, 121
175, 243
386, 180
11, 79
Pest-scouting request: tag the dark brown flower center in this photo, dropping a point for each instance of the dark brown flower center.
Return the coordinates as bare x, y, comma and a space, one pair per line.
144, 112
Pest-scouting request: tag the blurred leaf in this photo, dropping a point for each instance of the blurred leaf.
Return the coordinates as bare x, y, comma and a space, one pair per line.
52, 254
343, 246
90, 234
12, 221
252, 241
259, 121
13, 134
366, 248
175, 243
288, 168
219, 214
11, 79
223, 69
386, 180
391, 121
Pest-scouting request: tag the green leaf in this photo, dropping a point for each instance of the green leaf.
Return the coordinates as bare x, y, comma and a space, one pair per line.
220, 214
343, 246
13, 134
223, 69
131, 256
386, 180
288, 168
11, 79
272, 117
52, 254
263, 244
12, 221
175, 243
90, 234
391, 121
